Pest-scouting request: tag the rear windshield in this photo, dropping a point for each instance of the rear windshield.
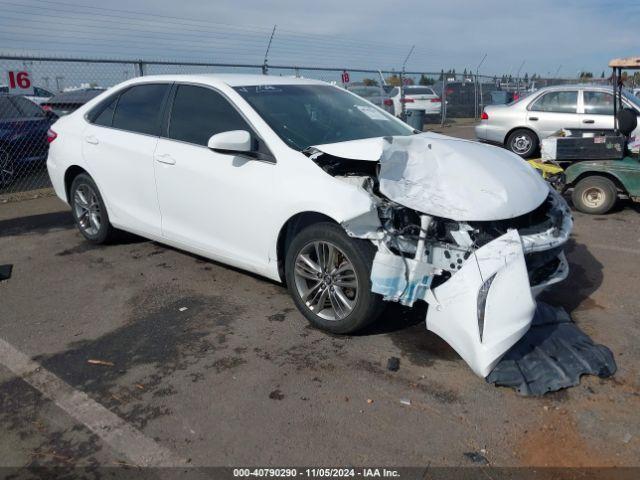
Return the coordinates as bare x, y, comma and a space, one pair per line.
418, 91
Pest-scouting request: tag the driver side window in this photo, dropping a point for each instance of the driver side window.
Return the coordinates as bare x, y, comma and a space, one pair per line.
199, 112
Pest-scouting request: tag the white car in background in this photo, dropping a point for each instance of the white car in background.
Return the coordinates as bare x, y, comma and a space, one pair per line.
416, 97
520, 126
305, 183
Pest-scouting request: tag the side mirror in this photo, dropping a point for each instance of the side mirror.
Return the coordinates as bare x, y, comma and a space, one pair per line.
234, 141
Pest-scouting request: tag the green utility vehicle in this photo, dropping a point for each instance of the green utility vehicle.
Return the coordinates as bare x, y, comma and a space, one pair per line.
597, 184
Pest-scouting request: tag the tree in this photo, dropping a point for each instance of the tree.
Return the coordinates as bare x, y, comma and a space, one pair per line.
441, 77
584, 75
394, 80
602, 75
526, 78
369, 82
424, 80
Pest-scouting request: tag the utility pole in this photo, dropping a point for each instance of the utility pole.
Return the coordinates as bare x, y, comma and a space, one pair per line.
403, 107
555, 75
265, 66
478, 86
59, 81
518, 77
46, 81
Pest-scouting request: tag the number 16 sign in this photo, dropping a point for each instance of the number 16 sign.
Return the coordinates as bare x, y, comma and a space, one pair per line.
19, 82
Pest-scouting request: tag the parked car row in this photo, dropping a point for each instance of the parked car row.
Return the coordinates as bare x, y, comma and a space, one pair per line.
416, 97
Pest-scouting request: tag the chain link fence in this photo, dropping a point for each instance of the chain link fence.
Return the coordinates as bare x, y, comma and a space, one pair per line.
35, 91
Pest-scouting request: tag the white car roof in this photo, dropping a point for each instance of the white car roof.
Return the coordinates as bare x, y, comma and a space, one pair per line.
230, 79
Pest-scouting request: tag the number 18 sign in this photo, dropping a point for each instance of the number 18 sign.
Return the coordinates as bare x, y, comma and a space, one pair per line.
19, 82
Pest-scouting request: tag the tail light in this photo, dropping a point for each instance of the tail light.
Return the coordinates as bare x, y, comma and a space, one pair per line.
484, 116
51, 136
436, 100
47, 108
388, 102
407, 100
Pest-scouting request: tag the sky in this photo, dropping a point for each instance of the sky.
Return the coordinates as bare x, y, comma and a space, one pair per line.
548, 36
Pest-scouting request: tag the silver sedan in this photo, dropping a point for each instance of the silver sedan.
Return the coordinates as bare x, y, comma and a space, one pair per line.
521, 125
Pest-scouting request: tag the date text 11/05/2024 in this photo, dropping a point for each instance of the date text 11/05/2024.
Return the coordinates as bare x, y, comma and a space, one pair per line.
316, 472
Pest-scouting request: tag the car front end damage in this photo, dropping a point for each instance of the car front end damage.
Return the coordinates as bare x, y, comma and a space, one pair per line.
467, 228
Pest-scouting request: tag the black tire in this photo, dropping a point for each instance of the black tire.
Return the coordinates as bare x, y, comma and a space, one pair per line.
523, 142
105, 233
359, 253
595, 195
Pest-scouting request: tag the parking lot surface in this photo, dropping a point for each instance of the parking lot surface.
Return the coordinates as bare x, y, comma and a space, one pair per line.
208, 365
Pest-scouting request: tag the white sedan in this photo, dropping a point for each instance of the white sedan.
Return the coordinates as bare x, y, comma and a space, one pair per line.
305, 183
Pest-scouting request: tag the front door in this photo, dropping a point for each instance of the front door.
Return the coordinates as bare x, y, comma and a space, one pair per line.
213, 203
554, 110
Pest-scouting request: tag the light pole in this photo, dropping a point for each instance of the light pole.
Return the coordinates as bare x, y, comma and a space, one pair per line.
518, 77
478, 86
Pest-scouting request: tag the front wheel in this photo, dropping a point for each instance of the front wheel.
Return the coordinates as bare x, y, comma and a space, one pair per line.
523, 142
89, 210
595, 195
327, 274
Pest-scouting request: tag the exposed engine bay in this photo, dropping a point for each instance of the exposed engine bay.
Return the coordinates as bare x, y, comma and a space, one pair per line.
475, 245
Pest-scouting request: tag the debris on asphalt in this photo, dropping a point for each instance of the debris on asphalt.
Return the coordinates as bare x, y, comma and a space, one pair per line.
405, 401
104, 363
369, 401
182, 309
139, 386
627, 438
552, 355
276, 395
5, 272
476, 457
393, 364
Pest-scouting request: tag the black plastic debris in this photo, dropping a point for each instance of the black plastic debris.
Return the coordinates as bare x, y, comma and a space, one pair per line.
5, 272
553, 354
393, 364
476, 457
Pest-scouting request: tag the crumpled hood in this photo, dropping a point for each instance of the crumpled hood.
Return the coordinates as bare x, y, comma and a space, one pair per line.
448, 177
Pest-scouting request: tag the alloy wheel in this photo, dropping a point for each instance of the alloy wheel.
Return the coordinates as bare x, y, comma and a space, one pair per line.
326, 280
87, 209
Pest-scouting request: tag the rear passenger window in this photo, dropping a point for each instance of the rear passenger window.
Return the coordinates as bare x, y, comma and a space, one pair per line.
198, 113
557, 102
598, 103
139, 109
105, 117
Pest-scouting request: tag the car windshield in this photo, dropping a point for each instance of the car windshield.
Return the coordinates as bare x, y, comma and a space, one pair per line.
365, 92
306, 115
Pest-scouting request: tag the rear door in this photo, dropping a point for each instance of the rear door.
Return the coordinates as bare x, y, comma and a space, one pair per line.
554, 110
118, 148
598, 111
212, 203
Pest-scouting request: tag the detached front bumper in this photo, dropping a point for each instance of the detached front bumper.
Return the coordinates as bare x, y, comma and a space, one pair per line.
488, 303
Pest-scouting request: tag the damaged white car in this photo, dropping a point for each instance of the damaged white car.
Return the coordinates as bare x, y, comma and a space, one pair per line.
306, 183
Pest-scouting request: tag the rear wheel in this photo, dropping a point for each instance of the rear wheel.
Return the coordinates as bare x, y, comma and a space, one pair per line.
89, 210
595, 195
327, 274
523, 142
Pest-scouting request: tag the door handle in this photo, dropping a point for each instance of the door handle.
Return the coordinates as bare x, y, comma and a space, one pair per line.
166, 158
588, 121
533, 119
91, 139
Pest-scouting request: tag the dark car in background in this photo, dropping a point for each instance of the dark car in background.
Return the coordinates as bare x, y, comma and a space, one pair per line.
67, 102
23, 136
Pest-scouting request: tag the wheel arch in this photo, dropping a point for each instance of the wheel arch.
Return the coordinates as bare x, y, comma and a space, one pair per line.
508, 134
69, 175
597, 173
290, 228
